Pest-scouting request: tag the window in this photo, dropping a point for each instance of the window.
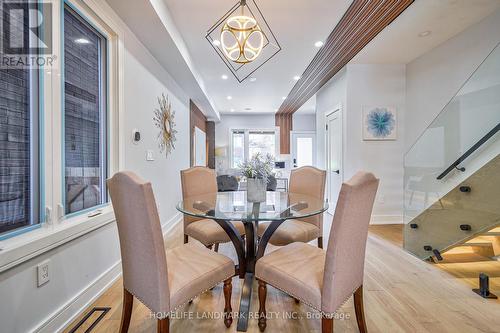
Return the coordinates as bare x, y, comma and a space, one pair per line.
19, 204
246, 143
238, 142
19, 127
261, 142
85, 138
55, 146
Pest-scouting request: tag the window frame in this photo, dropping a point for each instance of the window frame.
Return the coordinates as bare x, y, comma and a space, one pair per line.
56, 228
246, 143
37, 197
104, 114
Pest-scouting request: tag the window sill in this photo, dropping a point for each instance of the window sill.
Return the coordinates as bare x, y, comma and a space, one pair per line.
19, 249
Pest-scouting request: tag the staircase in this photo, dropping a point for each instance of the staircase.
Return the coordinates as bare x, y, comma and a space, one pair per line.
452, 173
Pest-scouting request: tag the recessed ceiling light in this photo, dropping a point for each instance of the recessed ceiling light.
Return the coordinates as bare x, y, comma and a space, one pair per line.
318, 43
216, 42
283, 98
232, 110
229, 98
82, 41
296, 77
253, 79
424, 33
224, 77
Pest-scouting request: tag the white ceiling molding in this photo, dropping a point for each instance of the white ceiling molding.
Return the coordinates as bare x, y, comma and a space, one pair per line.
151, 22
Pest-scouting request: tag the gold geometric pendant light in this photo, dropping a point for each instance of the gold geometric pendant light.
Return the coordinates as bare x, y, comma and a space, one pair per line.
243, 39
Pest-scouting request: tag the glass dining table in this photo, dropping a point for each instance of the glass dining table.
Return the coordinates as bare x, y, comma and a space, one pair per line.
224, 207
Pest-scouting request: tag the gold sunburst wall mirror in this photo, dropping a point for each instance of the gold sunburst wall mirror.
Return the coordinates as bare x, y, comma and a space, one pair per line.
164, 120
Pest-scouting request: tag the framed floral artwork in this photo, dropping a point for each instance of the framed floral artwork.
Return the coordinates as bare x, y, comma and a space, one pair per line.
379, 123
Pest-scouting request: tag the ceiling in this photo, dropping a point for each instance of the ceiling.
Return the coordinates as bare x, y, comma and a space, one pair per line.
400, 41
297, 25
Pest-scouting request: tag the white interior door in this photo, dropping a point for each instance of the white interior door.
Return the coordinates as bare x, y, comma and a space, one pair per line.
334, 157
303, 149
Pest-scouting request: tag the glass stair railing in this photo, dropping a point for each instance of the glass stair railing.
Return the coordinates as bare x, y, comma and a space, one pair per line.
452, 172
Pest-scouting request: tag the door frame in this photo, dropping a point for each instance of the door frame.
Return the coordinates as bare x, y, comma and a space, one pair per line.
335, 109
314, 135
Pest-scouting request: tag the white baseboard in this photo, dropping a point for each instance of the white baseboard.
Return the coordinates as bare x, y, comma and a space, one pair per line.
73, 308
171, 223
386, 219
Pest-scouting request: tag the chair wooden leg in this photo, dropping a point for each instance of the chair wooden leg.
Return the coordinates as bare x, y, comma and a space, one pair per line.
262, 305
228, 314
216, 247
163, 325
359, 309
186, 239
326, 325
320, 242
128, 302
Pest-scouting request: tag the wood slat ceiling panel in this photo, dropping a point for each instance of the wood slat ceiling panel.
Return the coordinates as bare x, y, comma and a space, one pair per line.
364, 20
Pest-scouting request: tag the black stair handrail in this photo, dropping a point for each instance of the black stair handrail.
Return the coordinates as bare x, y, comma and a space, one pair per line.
478, 144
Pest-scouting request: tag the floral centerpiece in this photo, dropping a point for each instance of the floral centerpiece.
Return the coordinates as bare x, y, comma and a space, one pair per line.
257, 170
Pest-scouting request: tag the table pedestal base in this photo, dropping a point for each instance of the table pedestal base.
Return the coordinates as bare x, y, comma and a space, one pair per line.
247, 257
245, 301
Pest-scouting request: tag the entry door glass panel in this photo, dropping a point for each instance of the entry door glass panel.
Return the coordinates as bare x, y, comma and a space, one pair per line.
303, 149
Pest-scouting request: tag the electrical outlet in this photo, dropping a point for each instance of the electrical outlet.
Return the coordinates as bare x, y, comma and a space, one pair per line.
43, 273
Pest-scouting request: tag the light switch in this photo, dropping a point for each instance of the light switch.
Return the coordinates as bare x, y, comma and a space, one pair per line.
149, 155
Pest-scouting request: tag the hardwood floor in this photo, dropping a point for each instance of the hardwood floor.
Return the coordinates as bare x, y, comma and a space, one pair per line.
401, 293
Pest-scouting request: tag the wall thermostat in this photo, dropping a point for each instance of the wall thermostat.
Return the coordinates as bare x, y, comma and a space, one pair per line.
136, 136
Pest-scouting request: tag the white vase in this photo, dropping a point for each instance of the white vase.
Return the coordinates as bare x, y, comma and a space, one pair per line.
256, 190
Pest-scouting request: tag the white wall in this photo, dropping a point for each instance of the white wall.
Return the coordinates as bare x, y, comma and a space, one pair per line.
352, 88
78, 266
304, 122
376, 85
435, 77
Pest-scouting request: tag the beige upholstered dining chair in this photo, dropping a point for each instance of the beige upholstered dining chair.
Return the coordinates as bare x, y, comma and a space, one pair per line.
161, 280
324, 280
198, 181
305, 180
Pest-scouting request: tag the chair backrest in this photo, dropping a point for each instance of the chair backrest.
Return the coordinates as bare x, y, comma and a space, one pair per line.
272, 183
227, 183
345, 256
197, 181
144, 261
309, 180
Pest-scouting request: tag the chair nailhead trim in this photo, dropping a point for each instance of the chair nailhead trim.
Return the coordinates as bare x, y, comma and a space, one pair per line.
177, 307
326, 314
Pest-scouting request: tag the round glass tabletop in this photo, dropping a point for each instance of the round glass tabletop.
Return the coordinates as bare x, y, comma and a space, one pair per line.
233, 206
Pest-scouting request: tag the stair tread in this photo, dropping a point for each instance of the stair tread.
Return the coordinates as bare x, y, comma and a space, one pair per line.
495, 233
476, 244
